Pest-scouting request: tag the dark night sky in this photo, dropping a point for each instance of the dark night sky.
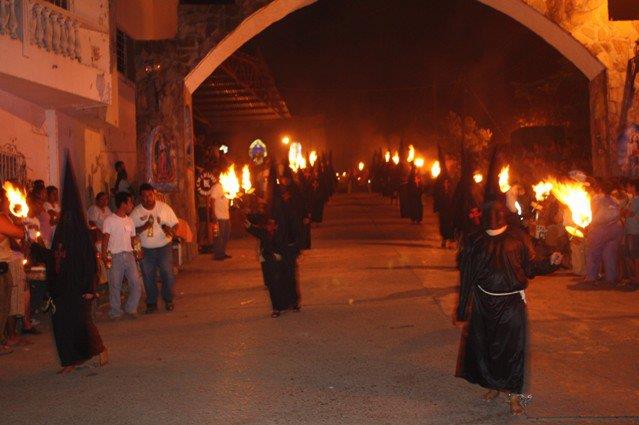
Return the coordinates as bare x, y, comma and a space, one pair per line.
369, 66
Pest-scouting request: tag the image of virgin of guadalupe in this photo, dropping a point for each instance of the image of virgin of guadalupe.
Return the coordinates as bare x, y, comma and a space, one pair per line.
162, 167
628, 148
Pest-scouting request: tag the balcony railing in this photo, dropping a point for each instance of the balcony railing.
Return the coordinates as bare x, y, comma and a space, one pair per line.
53, 29
8, 18
43, 25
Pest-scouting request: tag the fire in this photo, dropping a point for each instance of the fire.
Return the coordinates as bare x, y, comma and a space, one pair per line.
360, 166
312, 157
542, 190
478, 178
419, 162
247, 186
504, 179
230, 183
286, 140
295, 157
575, 197
435, 169
17, 200
518, 208
411, 154
387, 156
396, 158
573, 231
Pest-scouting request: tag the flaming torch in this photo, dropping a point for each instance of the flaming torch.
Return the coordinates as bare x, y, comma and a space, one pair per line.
230, 183
360, 166
247, 186
312, 158
504, 179
411, 154
419, 162
435, 169
387, 156
542, 190
17, 200
396, 158
478, 178
577, 199
294, 155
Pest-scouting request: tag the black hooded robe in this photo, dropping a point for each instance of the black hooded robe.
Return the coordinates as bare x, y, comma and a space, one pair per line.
72, 273
493, 350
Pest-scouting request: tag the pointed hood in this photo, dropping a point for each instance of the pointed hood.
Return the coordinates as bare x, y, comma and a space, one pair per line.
497, 162
76, 268
441, 157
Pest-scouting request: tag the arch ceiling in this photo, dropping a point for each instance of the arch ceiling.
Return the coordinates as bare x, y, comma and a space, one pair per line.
554, 35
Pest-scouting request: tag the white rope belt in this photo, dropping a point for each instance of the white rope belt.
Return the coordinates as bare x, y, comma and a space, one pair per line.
521, 293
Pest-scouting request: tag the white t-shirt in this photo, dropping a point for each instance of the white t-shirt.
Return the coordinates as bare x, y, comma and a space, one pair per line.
220, 203
97, 215
163, 215
120, 231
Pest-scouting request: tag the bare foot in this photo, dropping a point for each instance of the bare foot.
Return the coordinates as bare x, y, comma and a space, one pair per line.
490, 395
104, 358
66, 370
516, 407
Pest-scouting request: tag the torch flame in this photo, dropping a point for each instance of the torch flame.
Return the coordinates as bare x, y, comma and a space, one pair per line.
396, 158
230, 183
17, 200
478, 178
295, 158
504, 179
411, 154
435, 169
542, 190
573, 231
360, 166
387, 156
419, 162
575, 197
247, 186
312, 157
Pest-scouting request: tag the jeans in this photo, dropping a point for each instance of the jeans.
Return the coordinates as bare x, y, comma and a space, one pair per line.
124, 265
603, 245
158, 259
222, 238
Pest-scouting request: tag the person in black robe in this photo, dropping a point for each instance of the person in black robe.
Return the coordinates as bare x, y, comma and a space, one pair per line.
443, 203
415, 191
72, 275
495, 266
290, 225
265, 229
318, 195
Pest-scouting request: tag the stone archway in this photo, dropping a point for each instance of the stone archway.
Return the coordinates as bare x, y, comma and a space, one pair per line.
519, 10
526, 15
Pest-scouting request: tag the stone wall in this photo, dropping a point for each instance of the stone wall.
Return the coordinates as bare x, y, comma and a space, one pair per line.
612, 43
164, 107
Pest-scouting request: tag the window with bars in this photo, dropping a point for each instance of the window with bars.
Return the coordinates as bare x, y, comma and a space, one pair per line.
12, 165
124, 55
64, 4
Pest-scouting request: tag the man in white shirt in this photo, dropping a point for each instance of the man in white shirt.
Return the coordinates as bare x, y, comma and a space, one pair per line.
99, 211
117, 243
221, 210
155, 223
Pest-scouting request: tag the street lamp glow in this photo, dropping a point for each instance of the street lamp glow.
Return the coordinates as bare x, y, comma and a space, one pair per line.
360, 166
286, 140
478, 178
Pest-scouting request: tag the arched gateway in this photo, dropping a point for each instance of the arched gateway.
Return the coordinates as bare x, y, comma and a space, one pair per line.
578, 29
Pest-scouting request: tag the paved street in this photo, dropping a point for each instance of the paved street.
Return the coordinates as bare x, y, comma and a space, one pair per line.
373, 344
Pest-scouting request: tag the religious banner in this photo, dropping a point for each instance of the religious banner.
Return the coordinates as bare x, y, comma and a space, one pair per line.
161, 161
628, 150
